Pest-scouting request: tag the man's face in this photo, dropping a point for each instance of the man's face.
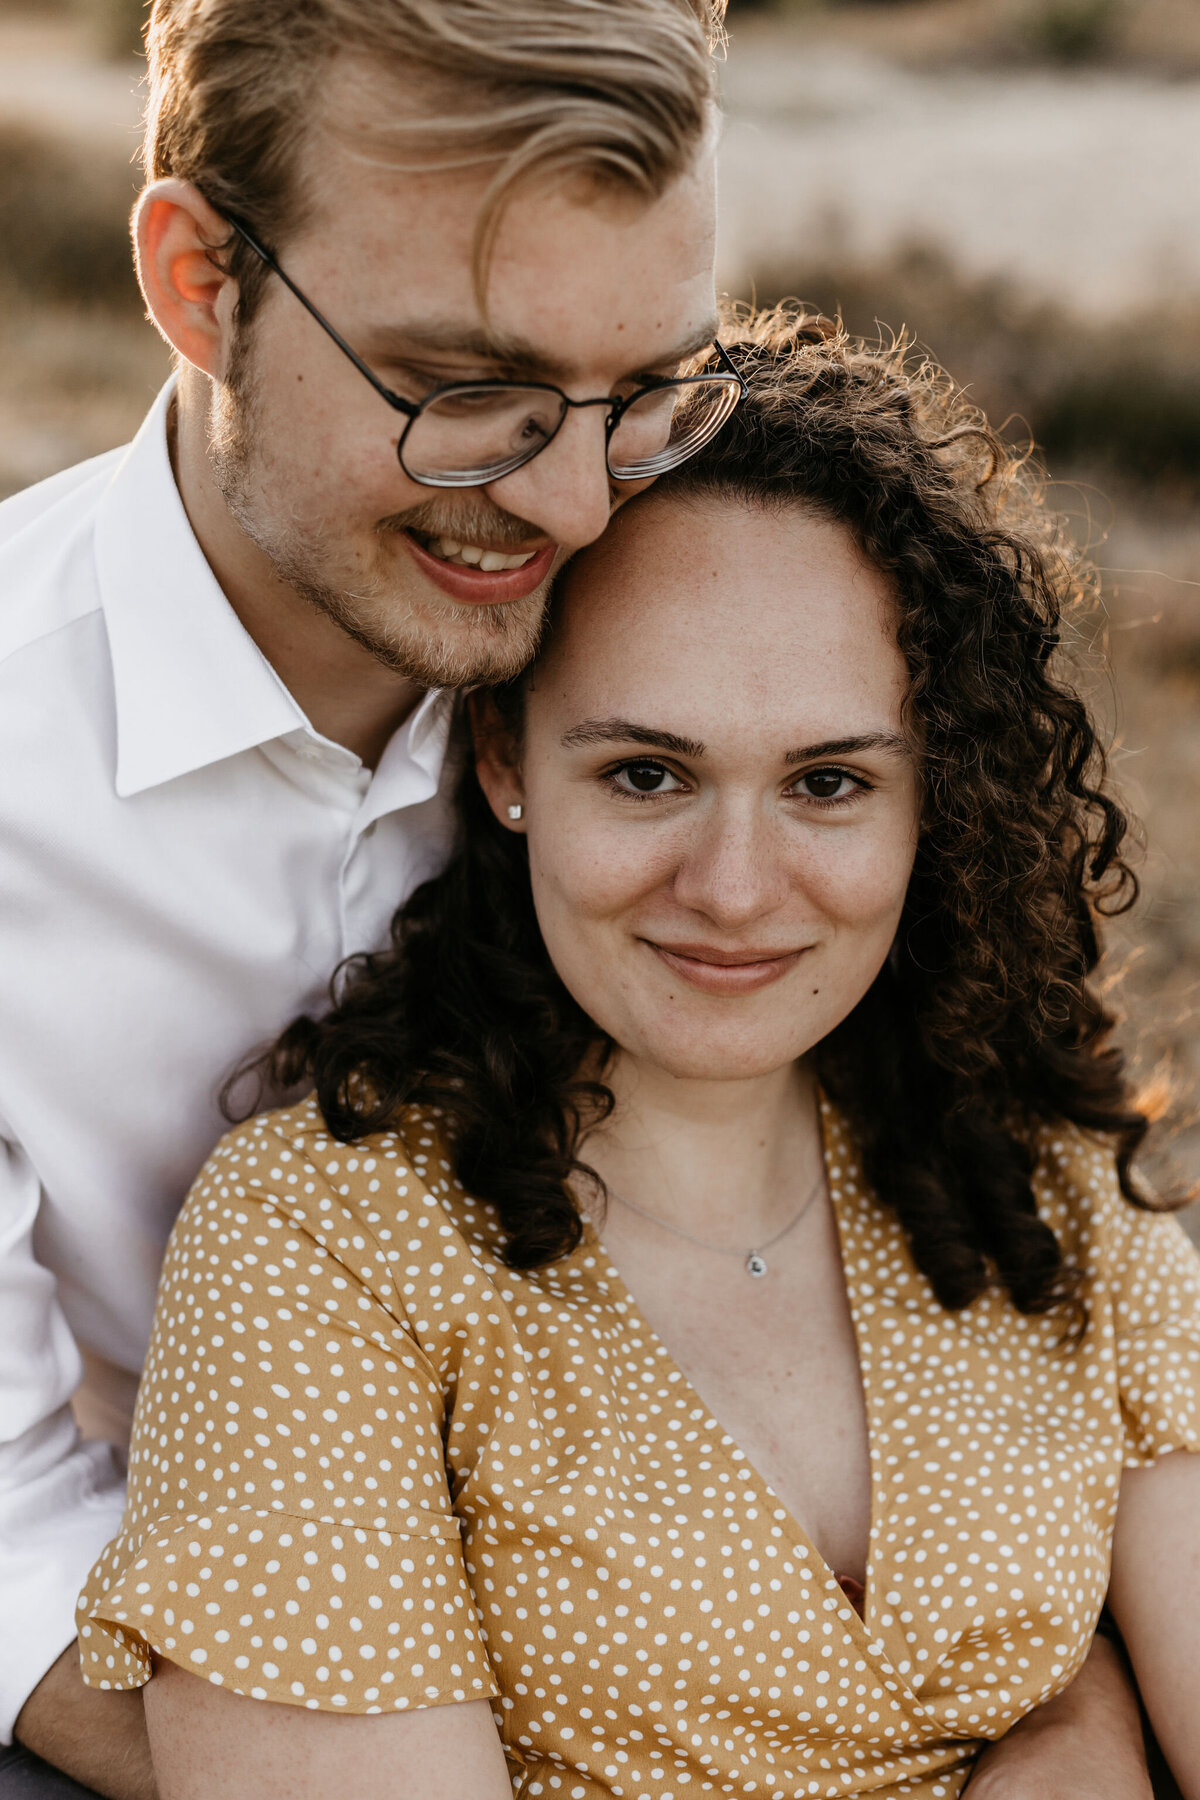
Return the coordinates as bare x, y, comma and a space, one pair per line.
588, 289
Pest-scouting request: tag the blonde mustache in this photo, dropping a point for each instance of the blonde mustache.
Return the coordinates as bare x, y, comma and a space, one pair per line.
465, 525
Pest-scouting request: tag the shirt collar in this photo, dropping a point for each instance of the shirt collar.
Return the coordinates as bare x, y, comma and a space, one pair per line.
191, 685
410, 769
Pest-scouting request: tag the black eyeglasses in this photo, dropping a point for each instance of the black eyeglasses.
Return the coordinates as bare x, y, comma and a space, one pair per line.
468, 433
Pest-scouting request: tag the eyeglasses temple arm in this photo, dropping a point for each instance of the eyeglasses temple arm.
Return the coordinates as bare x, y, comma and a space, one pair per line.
730, 365
264, 255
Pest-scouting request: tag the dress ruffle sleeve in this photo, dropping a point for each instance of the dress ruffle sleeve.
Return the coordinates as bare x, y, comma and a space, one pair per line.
289, 1532
1157, 1321
1142, 1292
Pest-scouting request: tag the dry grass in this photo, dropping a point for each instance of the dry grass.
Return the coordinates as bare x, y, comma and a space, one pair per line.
115, 27
63, 221
81, 364
1117, 402
1152, 563
73, 382
1157, 37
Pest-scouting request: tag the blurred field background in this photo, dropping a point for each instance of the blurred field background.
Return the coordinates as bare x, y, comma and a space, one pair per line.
1017, 182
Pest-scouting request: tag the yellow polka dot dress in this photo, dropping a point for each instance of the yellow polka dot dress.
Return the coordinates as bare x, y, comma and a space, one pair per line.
373, 1468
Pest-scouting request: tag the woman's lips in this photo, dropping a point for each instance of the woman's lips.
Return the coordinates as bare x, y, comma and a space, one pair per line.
724, 971
497, 588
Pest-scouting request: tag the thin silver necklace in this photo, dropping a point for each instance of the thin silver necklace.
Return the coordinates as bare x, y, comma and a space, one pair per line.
754, 1261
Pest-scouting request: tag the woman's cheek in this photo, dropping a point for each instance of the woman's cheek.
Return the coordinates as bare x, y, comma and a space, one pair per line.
595, 874
858, 881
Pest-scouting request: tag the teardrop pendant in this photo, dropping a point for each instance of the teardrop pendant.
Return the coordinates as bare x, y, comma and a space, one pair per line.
755, 1264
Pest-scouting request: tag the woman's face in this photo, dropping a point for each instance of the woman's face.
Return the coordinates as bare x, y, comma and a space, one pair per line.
721, 805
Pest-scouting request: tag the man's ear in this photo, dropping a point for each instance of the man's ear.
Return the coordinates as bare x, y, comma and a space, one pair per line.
188, 293
496, 763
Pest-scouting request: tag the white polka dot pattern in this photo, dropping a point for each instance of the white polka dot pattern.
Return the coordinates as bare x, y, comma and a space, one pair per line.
375, 1469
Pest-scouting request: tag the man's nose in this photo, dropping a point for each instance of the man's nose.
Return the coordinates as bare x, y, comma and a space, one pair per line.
566, 491
735, 871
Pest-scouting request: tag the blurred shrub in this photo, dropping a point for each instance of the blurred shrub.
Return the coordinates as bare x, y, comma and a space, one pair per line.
1142, 420
64, 221
1119, 399
1073, 31
118, 24
1158, 35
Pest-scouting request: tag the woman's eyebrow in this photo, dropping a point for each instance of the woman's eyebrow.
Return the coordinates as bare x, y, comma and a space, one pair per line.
623, 731
849, 746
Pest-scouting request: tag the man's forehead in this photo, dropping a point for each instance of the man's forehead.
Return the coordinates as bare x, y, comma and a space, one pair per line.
573, 265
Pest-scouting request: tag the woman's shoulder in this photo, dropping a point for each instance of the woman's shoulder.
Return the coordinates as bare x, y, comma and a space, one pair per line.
392, 1190
1079, 1195
281, 1143
1075, 1171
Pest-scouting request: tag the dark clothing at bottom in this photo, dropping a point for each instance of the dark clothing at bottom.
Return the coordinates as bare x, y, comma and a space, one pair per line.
1161, 1778
24, 1776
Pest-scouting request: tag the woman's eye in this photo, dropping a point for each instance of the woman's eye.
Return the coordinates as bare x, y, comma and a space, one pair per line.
644, 778
828, 784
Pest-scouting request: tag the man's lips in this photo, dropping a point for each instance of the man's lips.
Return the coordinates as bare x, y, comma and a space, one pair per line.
726, 971
484, 588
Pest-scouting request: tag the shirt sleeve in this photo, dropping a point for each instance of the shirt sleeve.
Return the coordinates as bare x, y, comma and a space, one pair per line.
289, 1533
60, 1498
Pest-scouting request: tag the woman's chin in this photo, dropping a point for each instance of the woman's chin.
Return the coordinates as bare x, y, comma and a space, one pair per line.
713, 1063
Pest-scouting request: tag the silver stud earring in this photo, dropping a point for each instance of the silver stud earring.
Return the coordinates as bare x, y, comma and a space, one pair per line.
516, 810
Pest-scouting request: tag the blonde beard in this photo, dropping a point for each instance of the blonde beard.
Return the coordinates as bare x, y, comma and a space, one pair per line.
475, 644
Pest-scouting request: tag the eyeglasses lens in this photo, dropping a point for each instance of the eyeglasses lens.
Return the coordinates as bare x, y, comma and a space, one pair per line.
664, 427
472, 435
479, 434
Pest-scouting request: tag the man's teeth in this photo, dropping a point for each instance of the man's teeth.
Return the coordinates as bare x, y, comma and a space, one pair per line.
450, 550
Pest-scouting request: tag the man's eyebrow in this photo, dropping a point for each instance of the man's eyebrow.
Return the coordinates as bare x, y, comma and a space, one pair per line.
399, 343
507, 350
693, 343
849, 746
623, 731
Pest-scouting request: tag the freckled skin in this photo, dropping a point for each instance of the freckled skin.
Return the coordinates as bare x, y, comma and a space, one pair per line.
794, 644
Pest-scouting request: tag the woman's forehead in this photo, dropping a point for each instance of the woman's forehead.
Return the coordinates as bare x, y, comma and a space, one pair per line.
722, 605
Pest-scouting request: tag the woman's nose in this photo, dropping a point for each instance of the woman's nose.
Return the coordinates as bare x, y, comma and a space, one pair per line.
566, 491
735, 871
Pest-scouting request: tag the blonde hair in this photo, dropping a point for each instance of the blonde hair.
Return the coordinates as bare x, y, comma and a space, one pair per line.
617, 90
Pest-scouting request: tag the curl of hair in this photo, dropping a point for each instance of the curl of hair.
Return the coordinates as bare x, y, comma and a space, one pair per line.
465, 1013
984, 1021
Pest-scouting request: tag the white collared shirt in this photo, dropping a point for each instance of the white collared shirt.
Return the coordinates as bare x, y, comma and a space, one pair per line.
183, 863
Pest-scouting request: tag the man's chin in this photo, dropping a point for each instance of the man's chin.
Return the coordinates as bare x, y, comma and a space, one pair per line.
441, 644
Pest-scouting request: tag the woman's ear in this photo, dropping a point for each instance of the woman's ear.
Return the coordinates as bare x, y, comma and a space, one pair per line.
496, 763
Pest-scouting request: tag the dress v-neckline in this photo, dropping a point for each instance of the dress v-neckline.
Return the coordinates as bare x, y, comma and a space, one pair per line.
730, 1448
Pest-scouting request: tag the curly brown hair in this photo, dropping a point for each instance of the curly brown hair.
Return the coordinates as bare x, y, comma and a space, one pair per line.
985, 1019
